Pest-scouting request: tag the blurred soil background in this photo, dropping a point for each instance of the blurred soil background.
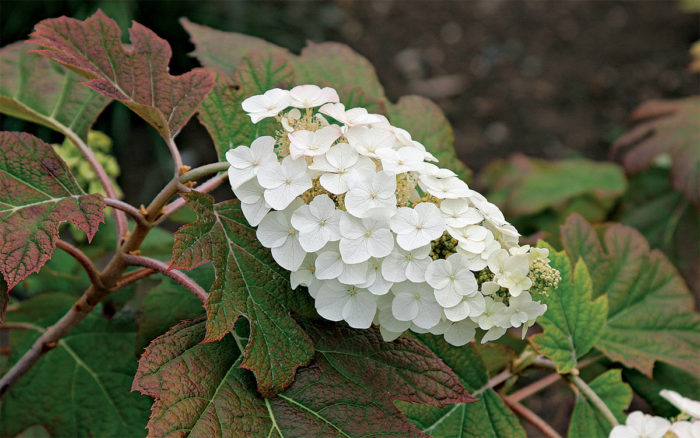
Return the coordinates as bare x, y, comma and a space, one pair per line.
550, 79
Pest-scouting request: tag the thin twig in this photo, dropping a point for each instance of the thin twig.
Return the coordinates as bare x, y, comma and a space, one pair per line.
80, 256
531, 418
494, 381
177, 159
129, 209
133, 277
164, 268
94, 294
177, 204
593, 398
205, 170
21, 326
534, 387
111, 192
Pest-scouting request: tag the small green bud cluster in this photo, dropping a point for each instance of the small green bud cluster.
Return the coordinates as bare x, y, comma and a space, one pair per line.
443, 247
544, 277
101, 146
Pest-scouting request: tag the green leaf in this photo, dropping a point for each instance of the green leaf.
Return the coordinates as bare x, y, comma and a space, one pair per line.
666, 128
651, 313
248, 283
38, 194
489, 417
164, 306
41, 91
666, 220
337, 65
426, 123
347, 391
572, 323
136, 76
81, 387
665, 377
586, 420
525, 186
223, 50
221, 112
262, 70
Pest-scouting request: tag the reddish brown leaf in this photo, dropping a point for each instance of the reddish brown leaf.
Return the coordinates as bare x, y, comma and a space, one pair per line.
348, 390
651, 313
667, 127
137, 75
37, 194
250, 284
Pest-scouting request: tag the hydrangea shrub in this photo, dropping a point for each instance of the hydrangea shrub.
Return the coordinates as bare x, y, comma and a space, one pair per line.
351, 283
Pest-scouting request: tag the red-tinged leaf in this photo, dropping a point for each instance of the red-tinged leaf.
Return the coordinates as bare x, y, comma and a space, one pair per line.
39, 90
667, 127
427, 124
248, 283
37, 194
223, 50
348, 390
337, 65
651, 313
261, 70
137, 75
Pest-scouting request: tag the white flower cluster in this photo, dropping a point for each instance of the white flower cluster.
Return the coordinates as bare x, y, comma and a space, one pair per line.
641, 425
355, 209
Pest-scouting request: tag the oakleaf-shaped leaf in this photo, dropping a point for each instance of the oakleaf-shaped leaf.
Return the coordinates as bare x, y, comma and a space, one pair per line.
81, 387
337, 65
650, 310
36, 89
572, 323
37, 194
426, 123
223, 50
586, 420
487, 418
522, 185
347, 391
137, 75
248, 283
666, 127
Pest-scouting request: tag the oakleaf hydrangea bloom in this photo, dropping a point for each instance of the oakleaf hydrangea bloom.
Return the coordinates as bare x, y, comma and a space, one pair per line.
641, 425
359, 213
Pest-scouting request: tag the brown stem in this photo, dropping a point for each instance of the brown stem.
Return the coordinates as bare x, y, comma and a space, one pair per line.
494, 381
175, 153
205, 187
132, 277
21, 326
164, 268
111, 192
87, 264
94, 294
531, 418
534, 388
129, 209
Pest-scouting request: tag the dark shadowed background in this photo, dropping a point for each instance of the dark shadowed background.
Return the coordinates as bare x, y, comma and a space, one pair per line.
547, 78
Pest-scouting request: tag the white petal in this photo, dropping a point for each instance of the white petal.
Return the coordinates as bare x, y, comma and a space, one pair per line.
273, 230
380, 243
458, 312
254, 213
290, 255
328, 265
460, 333
437, 274
354, 274
354, 251
404, 307
331, 298
447, 297
360, 309
394, 267
428, 316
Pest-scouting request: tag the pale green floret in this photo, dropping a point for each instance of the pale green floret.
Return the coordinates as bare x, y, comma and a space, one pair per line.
544, 278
